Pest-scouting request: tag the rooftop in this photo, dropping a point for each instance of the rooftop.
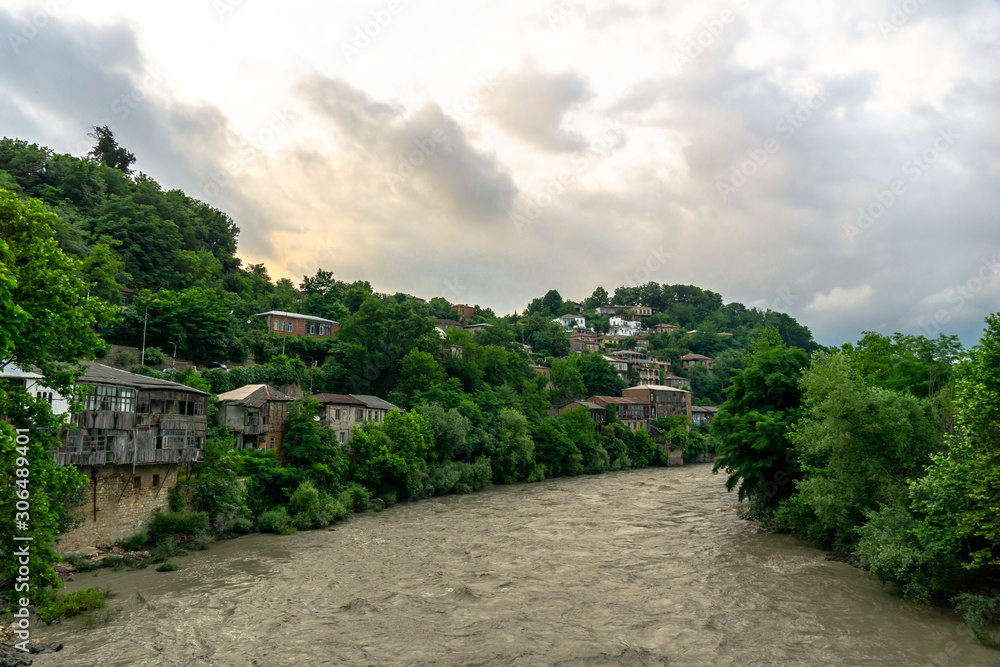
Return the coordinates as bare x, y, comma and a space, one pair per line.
282, 313
100, 374
253, 395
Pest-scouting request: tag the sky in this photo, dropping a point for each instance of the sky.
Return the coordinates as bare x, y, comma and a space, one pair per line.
838, 161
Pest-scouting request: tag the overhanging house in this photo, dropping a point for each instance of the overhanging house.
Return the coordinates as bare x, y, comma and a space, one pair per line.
597, 412
130, 439
703, 414
297, 324
343, 412
663, 401
255, 413
632, 411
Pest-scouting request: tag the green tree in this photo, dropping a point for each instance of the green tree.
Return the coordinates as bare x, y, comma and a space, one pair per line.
47, 323
108, 152
754, 423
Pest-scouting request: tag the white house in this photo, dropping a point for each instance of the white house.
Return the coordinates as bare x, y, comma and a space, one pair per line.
32, 382
571, 322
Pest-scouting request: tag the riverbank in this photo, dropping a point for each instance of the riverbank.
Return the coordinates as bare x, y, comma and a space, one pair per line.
637, 567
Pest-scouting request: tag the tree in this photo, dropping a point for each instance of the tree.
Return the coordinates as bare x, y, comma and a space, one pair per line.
597, 299
567, 380
107, 151
419, 371
753, 424
551, 302
47, 323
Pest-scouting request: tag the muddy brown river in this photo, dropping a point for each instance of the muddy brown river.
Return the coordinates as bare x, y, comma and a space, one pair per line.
648, 567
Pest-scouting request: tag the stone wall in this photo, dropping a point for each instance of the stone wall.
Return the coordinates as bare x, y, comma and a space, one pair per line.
117, 519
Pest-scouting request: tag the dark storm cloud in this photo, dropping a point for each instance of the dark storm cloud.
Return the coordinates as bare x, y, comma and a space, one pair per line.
423, 154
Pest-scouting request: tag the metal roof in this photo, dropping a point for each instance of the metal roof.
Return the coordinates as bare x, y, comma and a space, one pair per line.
100, 374
253, 395
282, 313
656, 387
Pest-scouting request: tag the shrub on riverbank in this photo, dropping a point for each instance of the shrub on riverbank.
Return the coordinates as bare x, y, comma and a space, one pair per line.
276, 521
73, 604
177, 524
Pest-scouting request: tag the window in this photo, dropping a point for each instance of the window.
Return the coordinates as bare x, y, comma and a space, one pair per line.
276, 325
336, 414
199, 407
312, 328
343, 436
359, 415
270, 442
137, 482
112, 399
156, 481
175, 439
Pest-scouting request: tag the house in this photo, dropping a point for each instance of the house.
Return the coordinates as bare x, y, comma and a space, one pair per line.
577, 307
131, 437
641, 311
597, 412
689, 360
32, 382
476, 328
296, 324
625, 324
547, 372
255, 413
703, 414
620, 365
464, 311
676, 381
571, 322
664, 328
641, 343
632, 411
663, 401
344, 412
581, 342
444, 325
607, 310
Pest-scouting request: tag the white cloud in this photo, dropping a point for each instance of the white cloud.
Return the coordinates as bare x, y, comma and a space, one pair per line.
840, 299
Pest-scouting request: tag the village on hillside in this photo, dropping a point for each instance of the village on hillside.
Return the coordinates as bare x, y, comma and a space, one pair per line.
136, 434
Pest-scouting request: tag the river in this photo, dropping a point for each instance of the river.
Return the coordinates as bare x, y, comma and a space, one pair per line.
648, 567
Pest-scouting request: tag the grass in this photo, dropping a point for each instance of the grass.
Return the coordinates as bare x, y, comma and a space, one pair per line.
74, 604
168, 566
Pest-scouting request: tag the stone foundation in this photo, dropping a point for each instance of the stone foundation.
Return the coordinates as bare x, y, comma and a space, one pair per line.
118, 518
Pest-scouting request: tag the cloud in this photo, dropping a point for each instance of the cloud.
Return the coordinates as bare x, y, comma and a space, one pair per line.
840, 299
532, 106
423, 154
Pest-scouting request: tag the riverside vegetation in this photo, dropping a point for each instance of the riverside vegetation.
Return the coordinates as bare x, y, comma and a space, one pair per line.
885, 450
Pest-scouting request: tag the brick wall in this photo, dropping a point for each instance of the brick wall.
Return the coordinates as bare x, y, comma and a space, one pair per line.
117, 519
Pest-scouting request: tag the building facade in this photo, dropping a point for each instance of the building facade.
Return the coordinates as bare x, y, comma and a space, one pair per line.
296, 324
129, 440
344, 412
663, 401
255, 414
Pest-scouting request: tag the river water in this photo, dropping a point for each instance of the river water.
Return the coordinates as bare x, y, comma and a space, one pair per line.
648, 567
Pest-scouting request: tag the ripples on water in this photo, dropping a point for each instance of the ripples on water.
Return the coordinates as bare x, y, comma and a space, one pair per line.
648, 567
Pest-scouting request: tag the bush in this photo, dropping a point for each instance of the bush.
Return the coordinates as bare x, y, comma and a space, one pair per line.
982, 614
154, 356
73, 604
83, 564
168, 566
276, 521
239, 525
389, 498
355, 497
176, 500
124, 358
174, 524
134, 543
